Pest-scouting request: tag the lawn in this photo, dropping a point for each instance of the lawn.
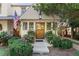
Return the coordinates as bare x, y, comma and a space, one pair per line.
4, 51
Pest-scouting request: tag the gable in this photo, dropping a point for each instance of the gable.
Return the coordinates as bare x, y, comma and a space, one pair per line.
33, 14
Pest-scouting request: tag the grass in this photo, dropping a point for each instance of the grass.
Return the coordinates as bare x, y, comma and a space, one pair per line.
4, 51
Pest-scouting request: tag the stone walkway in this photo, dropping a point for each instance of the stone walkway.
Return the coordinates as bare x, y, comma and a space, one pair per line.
40, 48
45, 49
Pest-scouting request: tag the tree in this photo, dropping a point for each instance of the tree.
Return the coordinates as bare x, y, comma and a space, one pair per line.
64, 10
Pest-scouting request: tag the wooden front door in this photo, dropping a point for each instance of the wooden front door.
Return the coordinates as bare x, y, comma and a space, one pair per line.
40, 30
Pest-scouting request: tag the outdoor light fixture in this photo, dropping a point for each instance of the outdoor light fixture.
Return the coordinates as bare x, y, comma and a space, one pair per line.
40, 16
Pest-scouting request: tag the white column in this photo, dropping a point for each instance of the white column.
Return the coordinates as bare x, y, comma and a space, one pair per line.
21, 28
45, 27
34, 26
27, 26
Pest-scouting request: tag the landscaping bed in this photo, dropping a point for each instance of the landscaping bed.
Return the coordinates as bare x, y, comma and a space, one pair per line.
14, 46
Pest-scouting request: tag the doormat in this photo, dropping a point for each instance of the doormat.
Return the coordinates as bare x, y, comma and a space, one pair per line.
39, 40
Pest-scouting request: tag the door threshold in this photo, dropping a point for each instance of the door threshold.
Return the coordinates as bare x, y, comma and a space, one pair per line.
39, 40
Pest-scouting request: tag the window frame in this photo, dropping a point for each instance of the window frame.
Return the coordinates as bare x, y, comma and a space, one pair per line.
48, 26
31, 27
25, 25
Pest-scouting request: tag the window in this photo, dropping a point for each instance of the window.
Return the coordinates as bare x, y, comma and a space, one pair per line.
24, 25
0, 26
48, 25
31, 24
23, 9
54, 25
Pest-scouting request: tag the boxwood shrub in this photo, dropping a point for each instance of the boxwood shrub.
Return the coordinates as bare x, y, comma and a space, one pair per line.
19, 47
4, 36
56, 42
31, 36
49, 36
76, 53
66, 44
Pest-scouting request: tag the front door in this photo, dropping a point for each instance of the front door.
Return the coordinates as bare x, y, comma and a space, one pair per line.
40, 27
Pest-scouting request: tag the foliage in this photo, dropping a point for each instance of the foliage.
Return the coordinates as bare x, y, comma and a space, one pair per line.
66, 11
19, 48
4, 36
66, 44
25, 37
31, 36
76, 53
4, 51
49, 36
56, 42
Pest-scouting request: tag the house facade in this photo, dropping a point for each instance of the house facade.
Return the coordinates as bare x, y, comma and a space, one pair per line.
29, 18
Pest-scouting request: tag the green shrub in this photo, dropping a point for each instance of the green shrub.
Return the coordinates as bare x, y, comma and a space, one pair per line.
4, 36
66, 44
31, 36
49, 36
76, 53
56, 42
25, 37
31, 33
19, 48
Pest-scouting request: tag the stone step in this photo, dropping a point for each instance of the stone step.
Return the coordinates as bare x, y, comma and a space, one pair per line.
40, 48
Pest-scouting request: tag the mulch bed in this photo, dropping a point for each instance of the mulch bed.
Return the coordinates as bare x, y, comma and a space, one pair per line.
61, 52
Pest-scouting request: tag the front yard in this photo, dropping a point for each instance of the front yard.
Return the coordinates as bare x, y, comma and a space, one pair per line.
18, 47
4, 51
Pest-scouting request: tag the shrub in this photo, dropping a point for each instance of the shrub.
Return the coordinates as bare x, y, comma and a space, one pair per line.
49, 36
56, 42
25, 37
76, 53
19, 48
66, 44
31, 36
4, 36
49, 33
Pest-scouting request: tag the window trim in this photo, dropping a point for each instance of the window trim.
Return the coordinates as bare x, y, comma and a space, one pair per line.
32, 28
50, 26
25, 25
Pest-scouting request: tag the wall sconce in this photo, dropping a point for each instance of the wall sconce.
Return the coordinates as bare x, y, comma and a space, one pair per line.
40, 16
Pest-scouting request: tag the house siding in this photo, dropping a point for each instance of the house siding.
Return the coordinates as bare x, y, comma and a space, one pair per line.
4, 24
23, 32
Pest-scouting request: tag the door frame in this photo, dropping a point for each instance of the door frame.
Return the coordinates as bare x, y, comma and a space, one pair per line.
36, 29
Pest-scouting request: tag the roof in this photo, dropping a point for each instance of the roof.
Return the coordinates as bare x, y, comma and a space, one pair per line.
33, 14
21, 4
6, 17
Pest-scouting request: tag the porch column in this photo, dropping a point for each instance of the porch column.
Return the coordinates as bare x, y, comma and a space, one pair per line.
34, 26
27, 26
45, 27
